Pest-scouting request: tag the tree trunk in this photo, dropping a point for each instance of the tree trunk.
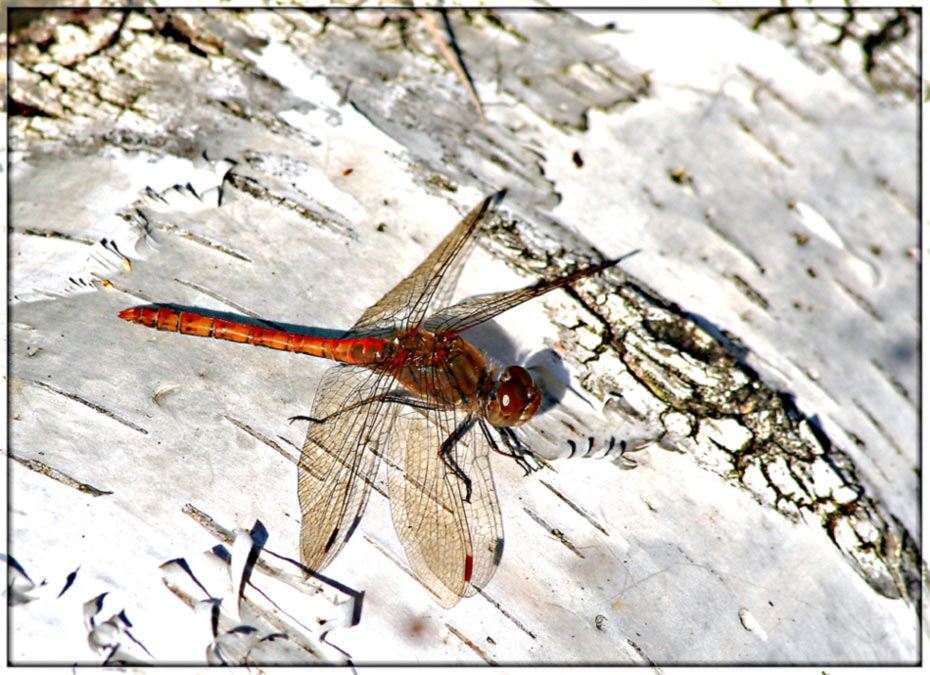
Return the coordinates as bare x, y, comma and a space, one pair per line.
754, 363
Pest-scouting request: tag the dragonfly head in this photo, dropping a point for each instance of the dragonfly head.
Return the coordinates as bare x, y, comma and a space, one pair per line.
514, 398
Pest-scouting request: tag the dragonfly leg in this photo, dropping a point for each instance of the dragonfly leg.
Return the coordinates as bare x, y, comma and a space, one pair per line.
445, 454
513, 448
389, 398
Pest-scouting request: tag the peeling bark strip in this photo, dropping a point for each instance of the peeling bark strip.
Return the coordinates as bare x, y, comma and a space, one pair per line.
401, 565
507, 614
208, 523
55, 474
293, 579
475, 648
554, 532
712, 404
93, 406
577, 509
262, 439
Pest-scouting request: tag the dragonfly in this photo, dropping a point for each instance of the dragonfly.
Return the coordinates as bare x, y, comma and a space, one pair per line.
408, 389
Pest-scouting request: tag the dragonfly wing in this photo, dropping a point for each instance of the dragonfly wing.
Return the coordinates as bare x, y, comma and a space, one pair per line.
406, 304
453, 546
473, 311
340, 458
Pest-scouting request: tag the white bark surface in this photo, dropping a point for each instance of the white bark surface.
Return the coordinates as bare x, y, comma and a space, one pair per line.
294, 165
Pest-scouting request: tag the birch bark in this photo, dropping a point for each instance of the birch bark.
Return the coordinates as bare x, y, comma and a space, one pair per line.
293, 165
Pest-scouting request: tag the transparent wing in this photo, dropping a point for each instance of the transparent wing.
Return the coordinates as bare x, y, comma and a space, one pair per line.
473, 311
340, 458
405, 305
453, 546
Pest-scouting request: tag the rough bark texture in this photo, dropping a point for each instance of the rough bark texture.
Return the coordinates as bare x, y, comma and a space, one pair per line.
759, 352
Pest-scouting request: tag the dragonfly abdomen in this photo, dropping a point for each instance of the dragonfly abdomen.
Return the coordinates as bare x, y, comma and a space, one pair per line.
360, 351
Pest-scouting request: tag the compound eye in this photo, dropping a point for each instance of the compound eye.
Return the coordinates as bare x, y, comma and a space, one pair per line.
509, 396
517, 398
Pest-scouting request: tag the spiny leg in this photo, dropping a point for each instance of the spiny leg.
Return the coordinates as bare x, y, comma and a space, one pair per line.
445, 454
514, 448
388, 398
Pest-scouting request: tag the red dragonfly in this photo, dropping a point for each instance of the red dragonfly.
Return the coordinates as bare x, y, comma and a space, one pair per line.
410, 390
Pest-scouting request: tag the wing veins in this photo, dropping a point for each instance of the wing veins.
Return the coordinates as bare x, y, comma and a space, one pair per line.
474, 311
417, 289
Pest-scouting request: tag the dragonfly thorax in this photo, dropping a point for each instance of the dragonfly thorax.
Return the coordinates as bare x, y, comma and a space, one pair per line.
440, 367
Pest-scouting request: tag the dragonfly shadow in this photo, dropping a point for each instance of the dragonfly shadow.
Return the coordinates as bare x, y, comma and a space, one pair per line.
251, 320
548, 369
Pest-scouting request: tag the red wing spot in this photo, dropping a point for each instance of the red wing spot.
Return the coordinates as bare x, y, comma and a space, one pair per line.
468, 565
